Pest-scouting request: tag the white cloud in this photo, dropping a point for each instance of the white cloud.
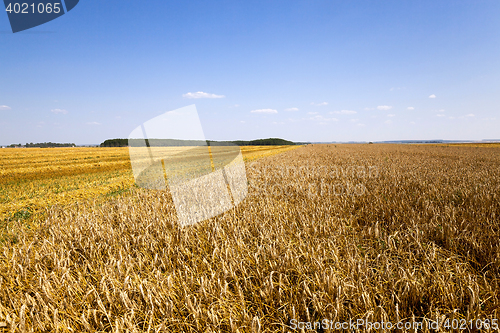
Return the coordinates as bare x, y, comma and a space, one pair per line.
432, 96
391, 115
323, 119
344, 112
201, 94
59, 111
440, 115
441, 111
312, 113
384, 107
470, 115
264, 111
4, 107
362, 125
319, 104
388, 122
369, 109
411, 108
93, 123
292, 109
242, 121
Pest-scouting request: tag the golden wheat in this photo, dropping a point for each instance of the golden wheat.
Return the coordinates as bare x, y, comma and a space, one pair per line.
337, 232
34, 179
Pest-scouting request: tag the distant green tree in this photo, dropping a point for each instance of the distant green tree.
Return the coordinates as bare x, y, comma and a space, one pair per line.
47, 145
115, 143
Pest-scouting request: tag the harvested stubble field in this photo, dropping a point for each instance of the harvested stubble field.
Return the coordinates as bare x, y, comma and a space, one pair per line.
377, 232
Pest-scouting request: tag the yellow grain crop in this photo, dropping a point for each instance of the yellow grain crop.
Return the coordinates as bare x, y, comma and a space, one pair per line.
380, 233
34, 179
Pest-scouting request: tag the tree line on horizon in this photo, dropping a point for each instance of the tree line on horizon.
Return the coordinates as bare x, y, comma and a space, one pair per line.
175, 142
42, 145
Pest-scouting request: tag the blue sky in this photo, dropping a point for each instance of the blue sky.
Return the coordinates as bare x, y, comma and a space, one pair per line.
309, 70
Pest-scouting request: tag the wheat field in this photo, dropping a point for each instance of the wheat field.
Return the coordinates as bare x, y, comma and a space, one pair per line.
33, 179
392, 233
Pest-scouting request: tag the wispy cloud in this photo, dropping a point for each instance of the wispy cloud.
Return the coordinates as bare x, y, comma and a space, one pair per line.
470, 115
59, 111
201, 94
292, 109
344, 112
432, 96
410, 108
391, 115
322, 119
264, 111
384, 107
312, 113
441, 111
4, 107
369, 109
319, 104
93, 123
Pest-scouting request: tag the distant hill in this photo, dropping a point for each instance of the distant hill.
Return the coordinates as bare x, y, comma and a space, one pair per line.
412, 141
174, 142
439, 141
258, 142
